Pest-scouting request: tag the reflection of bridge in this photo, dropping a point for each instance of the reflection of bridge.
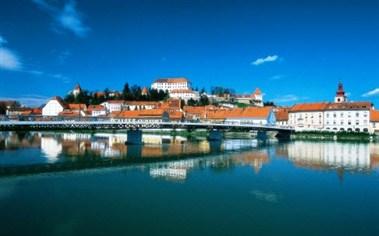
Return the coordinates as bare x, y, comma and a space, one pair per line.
133, 128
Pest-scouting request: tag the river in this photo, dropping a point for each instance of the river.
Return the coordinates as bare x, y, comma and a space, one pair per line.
69, 183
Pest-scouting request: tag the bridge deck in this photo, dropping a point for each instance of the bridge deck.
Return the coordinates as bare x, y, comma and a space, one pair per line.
5, 125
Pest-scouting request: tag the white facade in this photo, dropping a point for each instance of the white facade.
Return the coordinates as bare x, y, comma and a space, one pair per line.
185, 94
113, 106
52, 108
306, 120
351, 156
99, 112
347, 120
171, 84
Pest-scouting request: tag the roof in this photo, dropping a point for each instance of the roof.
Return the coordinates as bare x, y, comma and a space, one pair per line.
79, 106
349, 106
152, 113
96, 108
70, 113
374, 116
141, 103
321, 106
249, 112
59, 100
282, 114
172, 80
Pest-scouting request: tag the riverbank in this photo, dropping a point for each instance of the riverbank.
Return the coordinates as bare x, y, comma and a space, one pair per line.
332, 136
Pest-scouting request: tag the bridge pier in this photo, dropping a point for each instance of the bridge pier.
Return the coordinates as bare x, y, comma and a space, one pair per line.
283, 135
262, 135
215, 135
134, 137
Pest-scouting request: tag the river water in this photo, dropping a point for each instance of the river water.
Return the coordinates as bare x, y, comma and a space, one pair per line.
94, 184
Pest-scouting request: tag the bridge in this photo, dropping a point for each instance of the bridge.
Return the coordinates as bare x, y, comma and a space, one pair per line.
134, 128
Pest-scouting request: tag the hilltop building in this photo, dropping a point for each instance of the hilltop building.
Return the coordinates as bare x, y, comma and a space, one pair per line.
254, 99
76, 91
177, 88
170, 84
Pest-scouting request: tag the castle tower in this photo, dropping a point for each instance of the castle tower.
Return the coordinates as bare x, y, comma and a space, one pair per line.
257, 98
77, 90
340, 94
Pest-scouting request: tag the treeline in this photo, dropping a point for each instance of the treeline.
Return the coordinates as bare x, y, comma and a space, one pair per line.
131, 93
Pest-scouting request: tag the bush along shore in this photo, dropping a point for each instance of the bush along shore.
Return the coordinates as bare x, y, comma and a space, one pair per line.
336, 136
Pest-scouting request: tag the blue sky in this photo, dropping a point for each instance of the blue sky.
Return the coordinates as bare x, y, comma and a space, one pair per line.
295, 51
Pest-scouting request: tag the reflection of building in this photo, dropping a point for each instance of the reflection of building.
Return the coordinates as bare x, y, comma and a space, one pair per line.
51, 147
325, 155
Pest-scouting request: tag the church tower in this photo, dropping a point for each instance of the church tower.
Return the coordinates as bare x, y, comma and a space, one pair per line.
340, 95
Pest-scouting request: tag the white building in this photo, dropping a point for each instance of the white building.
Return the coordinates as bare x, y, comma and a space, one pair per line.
170, 84
338, 116
251, 115
307, 116
348, 116
97, 110
185, 94
113, 105
255, 99
374, 121
53, 107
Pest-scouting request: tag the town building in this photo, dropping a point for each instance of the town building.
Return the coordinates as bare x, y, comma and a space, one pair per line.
347, 116
340, 115
307, 116
113, 105
140, 105
53, 107
169, 84
374, 121
251, 115
281, 115
153, 115
185, 94
97, 110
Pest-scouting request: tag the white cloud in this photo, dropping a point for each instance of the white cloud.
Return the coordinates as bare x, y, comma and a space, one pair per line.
286, 98
371, 93
263, 60
9, 60
68, 17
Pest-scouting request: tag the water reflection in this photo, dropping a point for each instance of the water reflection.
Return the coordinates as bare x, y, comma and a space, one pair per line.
86, 150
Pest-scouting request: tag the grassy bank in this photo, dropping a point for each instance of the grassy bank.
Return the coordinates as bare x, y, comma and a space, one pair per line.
338, 136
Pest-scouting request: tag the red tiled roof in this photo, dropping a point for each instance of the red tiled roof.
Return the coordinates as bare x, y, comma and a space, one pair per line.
374, 116
79, 106
321, 106
249, 112
349, 106
152, 113
282, 114
96, 108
